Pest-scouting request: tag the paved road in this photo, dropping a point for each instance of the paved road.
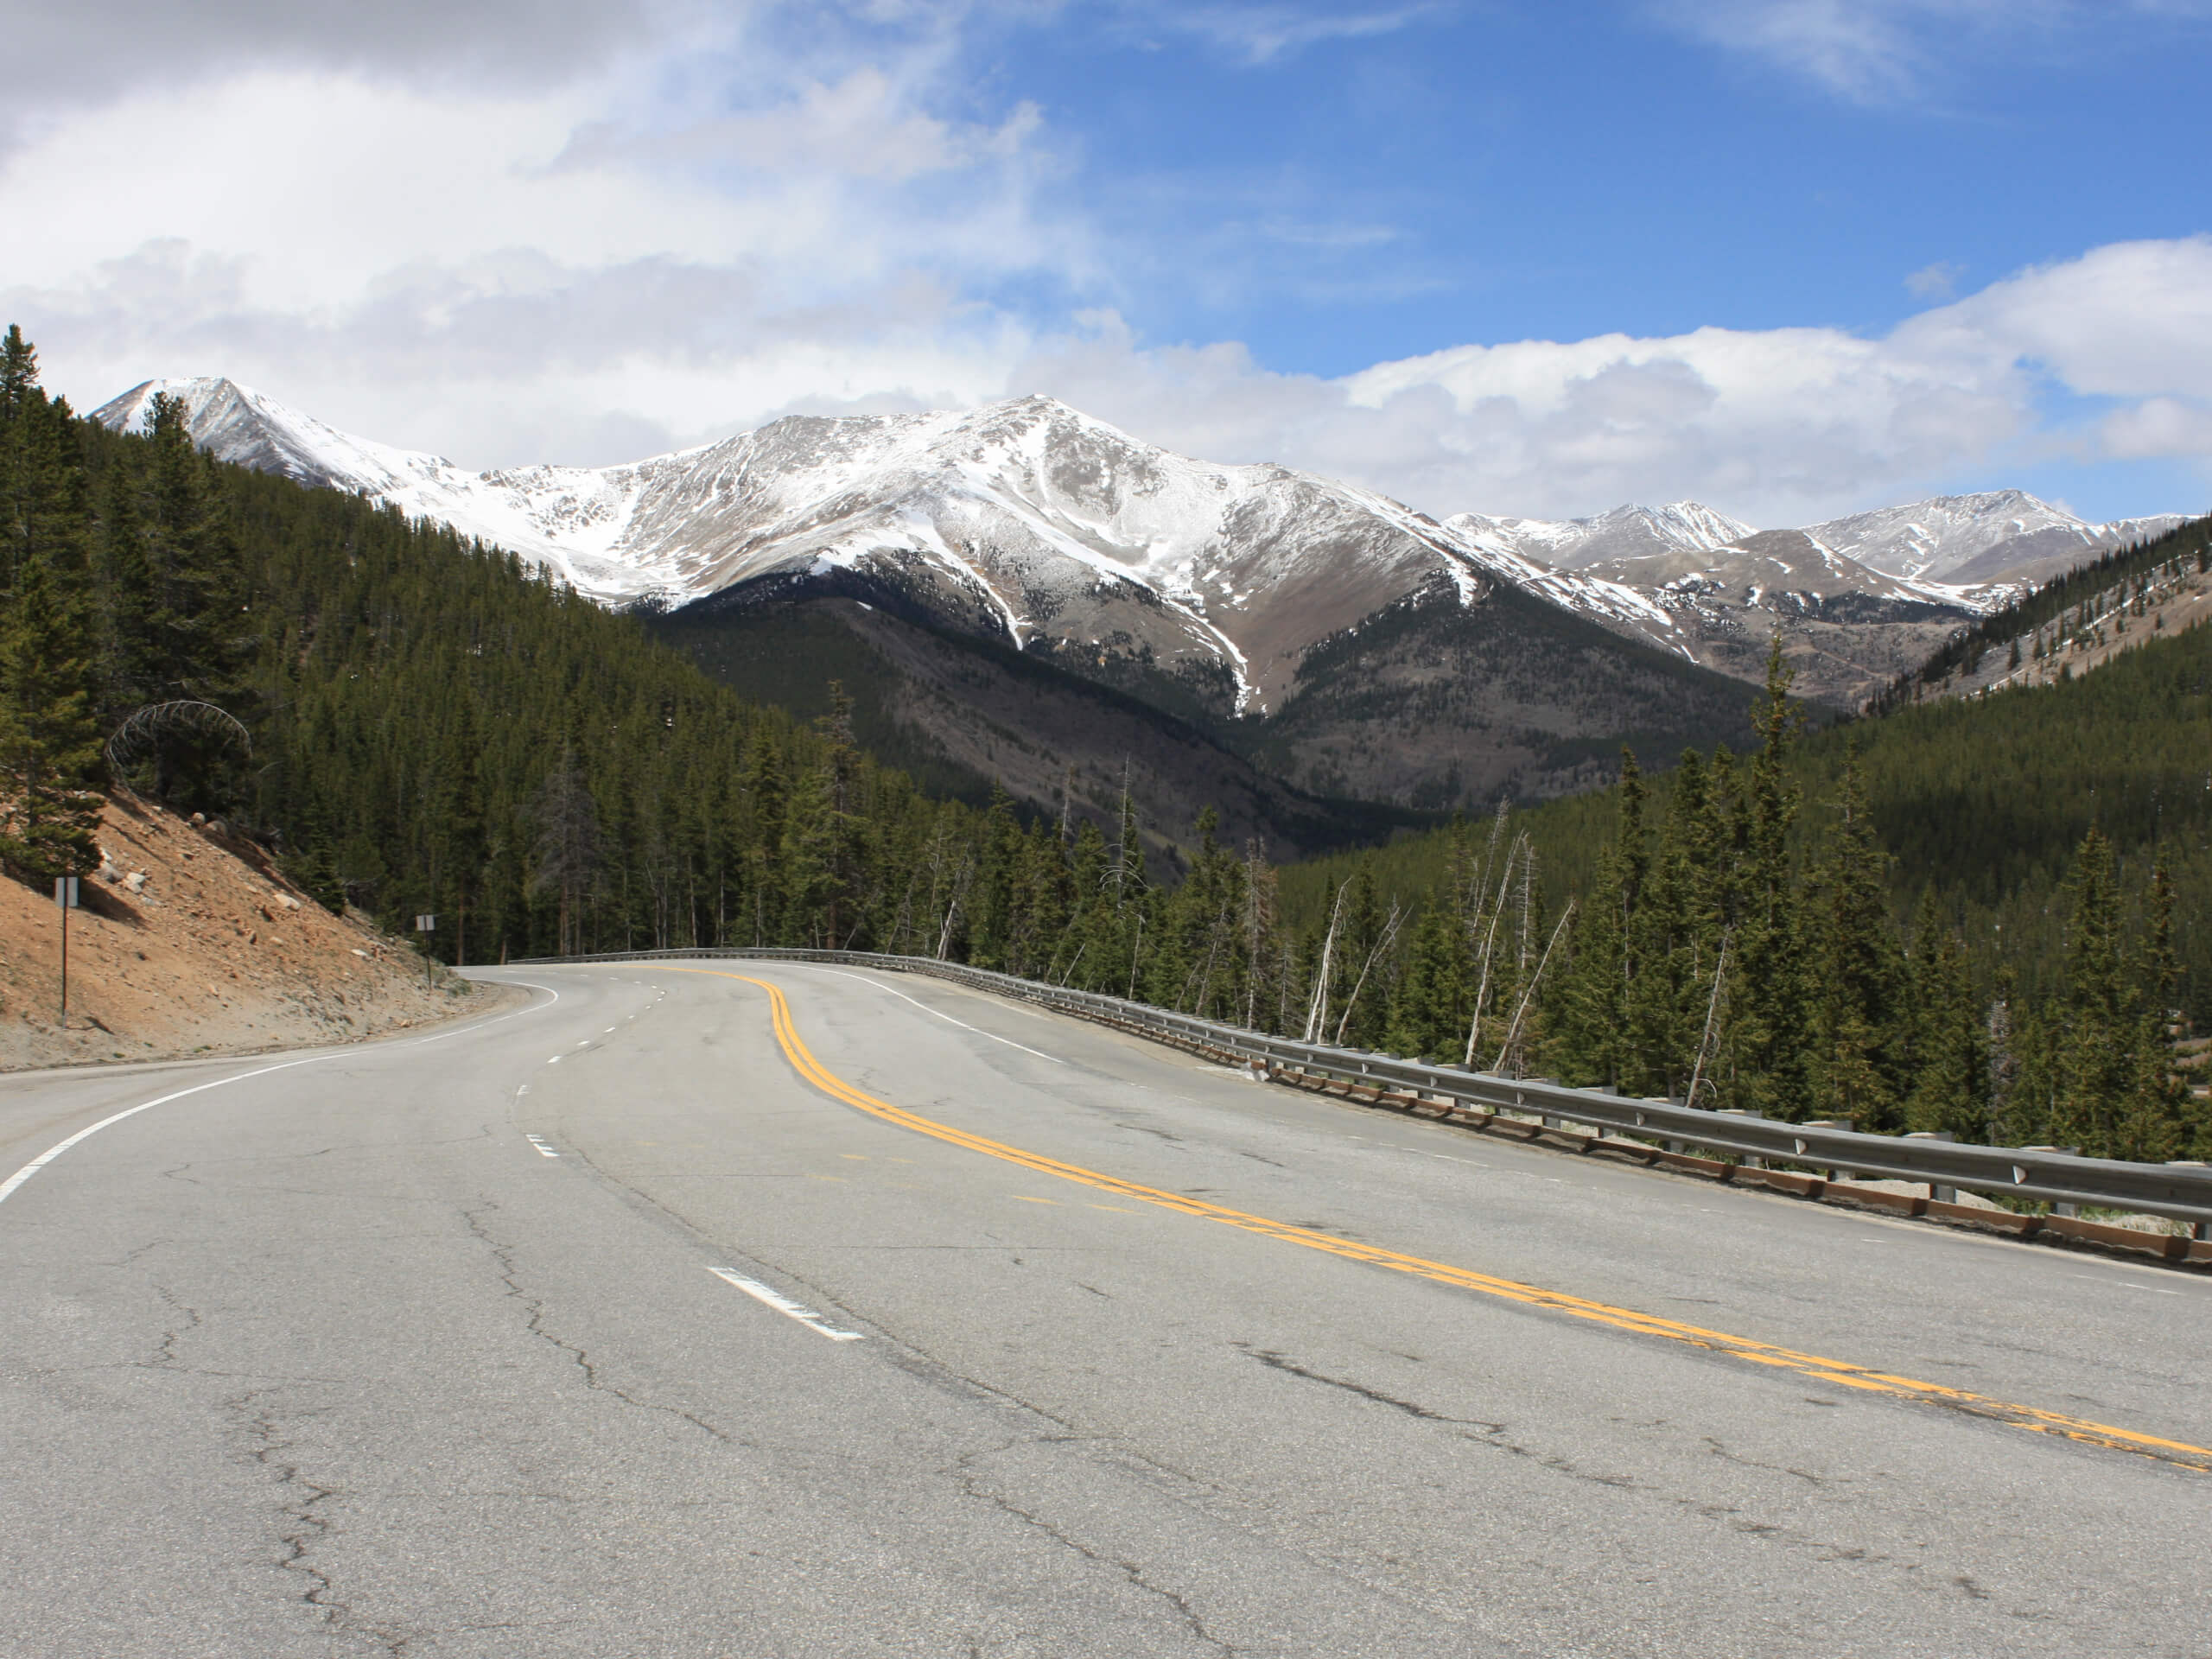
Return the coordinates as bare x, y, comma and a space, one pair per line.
598, 1329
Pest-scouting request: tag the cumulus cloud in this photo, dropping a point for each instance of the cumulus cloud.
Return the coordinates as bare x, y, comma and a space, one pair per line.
2128, 319
93, 56
1778, 426
423, 262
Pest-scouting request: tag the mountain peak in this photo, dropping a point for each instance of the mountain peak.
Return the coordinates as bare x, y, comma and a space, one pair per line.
128, 412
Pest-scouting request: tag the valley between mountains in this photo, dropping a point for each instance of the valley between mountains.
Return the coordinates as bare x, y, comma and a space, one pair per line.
1023, 595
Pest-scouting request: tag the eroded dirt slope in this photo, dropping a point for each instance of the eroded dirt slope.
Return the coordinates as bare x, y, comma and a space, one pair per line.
190, 942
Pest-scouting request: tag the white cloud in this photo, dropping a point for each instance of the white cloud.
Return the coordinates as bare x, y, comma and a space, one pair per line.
1261, 34
1778, 426
1936, 281
1878, 51
2159, 427
413, 262
93, 56
2128, 319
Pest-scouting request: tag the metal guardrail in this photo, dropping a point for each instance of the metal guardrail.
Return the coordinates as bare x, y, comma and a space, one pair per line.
2182, 1191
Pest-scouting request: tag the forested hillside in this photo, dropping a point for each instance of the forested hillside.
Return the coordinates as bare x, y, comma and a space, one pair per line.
2071, 611
1982, 916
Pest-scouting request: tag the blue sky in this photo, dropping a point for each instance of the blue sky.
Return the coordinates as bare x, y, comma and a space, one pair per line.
1487, 172
1789, 257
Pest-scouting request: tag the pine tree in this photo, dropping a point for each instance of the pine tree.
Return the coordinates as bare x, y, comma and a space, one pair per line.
1949, 1053
1856, 1072
1428, 1012
1590, 1035
2154, 1122
189, 633
49, 746
1768, 1065
2099, 1013
568, 851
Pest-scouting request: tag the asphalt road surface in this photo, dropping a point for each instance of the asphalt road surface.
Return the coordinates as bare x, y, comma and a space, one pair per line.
622, 1323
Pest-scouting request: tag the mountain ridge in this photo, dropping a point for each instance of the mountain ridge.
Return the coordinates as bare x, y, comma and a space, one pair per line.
1224, 595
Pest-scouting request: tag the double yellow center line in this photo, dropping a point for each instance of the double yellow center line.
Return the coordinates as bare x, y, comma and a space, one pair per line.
1814, 1366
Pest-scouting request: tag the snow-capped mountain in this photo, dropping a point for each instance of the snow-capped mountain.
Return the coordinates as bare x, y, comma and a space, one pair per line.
1203, 585
1025, 518
1985, 537
1626, 532
571, 518
1861, 598
1959, 541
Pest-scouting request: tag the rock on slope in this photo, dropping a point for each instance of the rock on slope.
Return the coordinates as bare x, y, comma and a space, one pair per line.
190, 943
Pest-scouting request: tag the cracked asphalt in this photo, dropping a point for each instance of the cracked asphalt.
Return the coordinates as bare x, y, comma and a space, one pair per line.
337, 1360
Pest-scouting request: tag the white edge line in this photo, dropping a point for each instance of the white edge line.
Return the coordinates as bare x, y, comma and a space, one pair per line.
784, 1306
940, 1013
9, 1186
513, 1014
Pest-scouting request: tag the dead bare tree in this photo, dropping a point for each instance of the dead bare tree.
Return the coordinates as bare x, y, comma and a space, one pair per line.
1316, 1007
140, 734
1381, 946
1489, 941
1711, 1019
1513, 1032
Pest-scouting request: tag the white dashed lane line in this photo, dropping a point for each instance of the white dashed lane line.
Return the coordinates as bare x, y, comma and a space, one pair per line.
543, 1151
783, 1305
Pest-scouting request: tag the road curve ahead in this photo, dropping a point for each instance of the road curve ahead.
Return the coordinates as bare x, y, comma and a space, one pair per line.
762, 1309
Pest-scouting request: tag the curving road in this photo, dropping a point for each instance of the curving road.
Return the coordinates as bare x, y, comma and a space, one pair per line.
645, 1319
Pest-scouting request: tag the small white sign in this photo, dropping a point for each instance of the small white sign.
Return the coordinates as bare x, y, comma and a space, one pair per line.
426, 924
65, 891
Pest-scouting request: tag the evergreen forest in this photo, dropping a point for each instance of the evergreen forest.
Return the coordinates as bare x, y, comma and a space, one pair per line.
1967, 915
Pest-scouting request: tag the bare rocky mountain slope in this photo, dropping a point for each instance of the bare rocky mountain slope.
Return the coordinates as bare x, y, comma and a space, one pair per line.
190, 942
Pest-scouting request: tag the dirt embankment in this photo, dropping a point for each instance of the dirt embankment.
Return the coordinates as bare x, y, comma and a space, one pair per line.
190, 942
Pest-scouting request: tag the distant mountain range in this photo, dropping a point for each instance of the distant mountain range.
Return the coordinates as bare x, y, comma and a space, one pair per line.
1342, 640
1959, 541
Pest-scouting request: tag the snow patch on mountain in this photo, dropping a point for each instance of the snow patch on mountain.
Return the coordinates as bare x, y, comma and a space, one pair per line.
1626, 532
572, 518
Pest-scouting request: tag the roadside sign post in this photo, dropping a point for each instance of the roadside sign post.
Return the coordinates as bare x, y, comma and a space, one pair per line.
64, 900
426, 924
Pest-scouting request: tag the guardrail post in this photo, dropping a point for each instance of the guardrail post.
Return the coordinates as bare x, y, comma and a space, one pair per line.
1936, 1194
1752, 1160
2199, 1230
1844, 1123
2071, 1152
